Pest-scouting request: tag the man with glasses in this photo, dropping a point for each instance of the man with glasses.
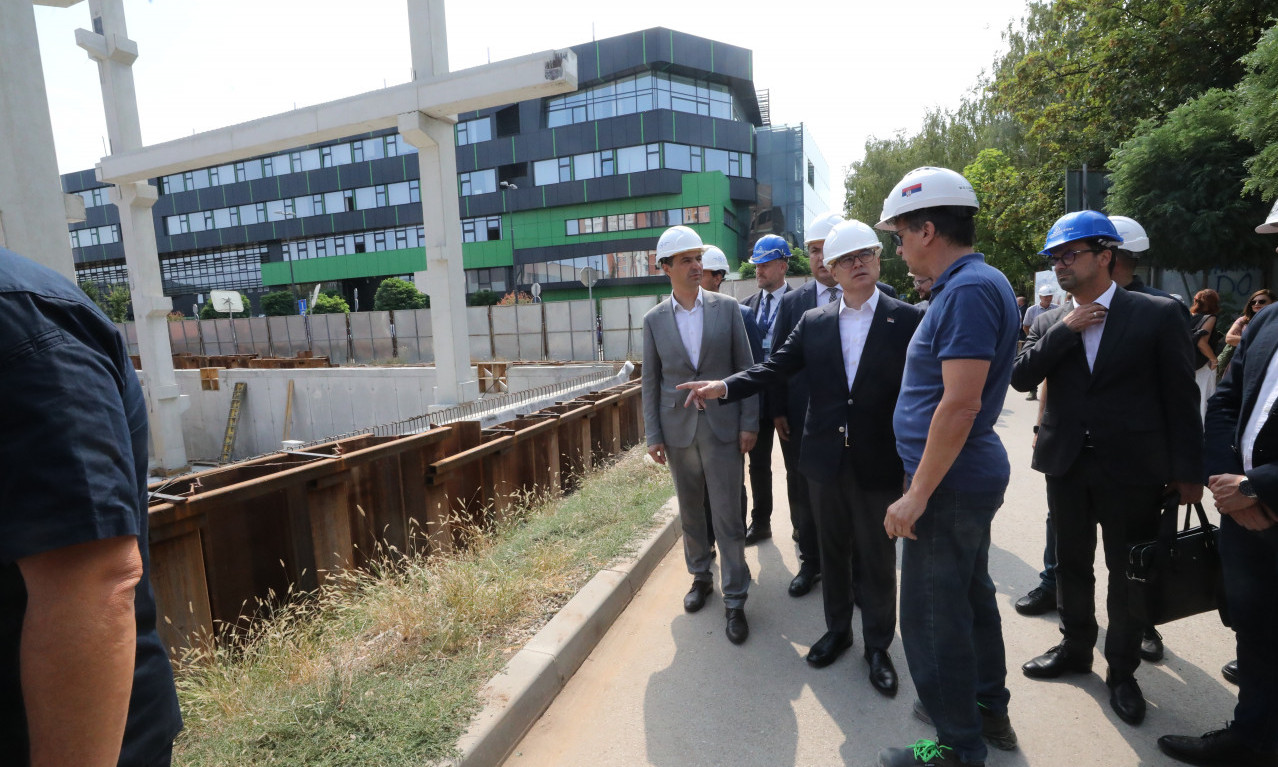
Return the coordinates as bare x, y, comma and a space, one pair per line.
1119, 434
956, 470
848, 449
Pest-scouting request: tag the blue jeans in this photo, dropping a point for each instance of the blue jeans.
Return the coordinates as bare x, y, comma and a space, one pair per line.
950, 625
1249, 561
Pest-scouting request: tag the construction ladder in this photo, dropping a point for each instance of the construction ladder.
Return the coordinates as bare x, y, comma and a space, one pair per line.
233, 420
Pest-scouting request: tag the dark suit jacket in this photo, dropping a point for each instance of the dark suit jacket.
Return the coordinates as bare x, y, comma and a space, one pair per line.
1139, 403
865, 411
1231, 406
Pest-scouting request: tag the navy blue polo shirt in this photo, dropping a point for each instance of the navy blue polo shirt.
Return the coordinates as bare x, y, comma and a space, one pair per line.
973, 315
73, 462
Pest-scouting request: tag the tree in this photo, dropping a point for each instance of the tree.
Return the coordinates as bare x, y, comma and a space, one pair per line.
1013, 218
515, 297
118, 303
279, 303
1183, 181
326, 303
798, 265
1258, 115
394, 294
207, 312
482, 298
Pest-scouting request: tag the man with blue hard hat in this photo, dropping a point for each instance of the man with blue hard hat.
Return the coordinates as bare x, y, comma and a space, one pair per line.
1120, 433
771, 259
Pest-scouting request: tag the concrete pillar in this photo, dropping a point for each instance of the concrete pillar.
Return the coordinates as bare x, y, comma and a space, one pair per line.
109, 45
33, 214
444, 277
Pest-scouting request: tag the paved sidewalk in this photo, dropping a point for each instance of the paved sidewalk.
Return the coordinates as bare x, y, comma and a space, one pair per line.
666, 688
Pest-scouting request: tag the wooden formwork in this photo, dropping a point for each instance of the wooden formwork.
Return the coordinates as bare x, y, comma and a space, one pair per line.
226, 539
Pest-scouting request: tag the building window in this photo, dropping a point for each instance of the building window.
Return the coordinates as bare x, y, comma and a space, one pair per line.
478, 182
811, 175
641, 93
474, 131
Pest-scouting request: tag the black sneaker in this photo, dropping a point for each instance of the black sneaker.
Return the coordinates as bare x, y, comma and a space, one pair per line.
997, 730
923, 753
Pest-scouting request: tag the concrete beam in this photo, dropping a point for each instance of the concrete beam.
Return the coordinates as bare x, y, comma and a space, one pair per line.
540, 74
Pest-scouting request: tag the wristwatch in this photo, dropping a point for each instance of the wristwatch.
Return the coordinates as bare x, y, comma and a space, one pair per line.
1245, 488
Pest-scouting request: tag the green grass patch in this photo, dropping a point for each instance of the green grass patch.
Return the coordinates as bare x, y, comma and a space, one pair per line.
384, 667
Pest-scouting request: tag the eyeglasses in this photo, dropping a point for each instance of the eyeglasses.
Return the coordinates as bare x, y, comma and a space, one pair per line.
859, 258
1066, 258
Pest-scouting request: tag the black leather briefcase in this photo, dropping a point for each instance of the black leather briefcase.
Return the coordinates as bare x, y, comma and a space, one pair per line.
1177, 574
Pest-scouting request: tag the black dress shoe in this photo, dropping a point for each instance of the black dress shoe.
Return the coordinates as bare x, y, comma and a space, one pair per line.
1127, 701
756, 533
882, 672
1230, 672
695, 599
829, 647
737, 628
1056, 661
803, 582
1151, 646
1222, 747
1037, 602
996, 729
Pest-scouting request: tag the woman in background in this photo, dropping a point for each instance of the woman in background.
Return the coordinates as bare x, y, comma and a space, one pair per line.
1206, 307
1258, 300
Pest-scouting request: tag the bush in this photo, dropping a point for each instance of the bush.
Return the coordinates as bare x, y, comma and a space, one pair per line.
482, 298
279, 303
798, 266
395, 293
329, 304
512, 298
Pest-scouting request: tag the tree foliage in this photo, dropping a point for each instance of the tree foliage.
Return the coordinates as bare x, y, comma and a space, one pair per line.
482, 298
118, 304
326, 303
394, 294
1258, 115
1182, 179
279, 303
798, 265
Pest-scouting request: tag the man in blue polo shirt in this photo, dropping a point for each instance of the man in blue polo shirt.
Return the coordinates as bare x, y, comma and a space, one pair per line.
956, 376
83, 676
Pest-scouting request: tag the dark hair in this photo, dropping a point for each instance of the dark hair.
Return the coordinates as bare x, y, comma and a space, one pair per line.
955, 223
1249, 311
1206, 302
1100, 243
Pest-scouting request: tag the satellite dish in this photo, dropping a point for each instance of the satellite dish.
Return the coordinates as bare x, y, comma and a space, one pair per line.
227, 301
536, 290
589, 276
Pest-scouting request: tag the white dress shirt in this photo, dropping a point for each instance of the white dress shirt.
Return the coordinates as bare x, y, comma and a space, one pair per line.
1265, 400
824, 297
1092, 334
854, 328
690, 323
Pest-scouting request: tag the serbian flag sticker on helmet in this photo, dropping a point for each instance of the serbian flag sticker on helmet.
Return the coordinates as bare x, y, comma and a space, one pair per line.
909, 190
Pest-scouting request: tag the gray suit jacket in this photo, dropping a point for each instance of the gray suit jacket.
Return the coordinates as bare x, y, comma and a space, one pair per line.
725, 349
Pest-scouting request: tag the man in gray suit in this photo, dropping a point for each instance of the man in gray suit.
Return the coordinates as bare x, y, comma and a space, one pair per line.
696, 335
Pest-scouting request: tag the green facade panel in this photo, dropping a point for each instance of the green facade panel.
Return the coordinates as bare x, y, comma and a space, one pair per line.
331, 268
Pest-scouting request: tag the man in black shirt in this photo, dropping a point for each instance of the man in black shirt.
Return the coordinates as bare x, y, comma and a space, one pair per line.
83, 676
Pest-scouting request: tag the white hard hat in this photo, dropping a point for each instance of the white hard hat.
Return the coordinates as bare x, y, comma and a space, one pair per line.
926, 187
848, 237
713, 260
820, 228
1271, 224
1132, 233
1046, 290
678, 239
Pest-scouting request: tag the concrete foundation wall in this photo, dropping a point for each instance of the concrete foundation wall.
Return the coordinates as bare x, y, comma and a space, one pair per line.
326, 402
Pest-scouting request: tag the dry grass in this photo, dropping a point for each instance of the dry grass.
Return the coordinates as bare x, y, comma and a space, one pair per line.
384, 666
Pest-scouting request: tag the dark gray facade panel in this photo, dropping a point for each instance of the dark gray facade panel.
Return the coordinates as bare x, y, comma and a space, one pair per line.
578, 249
392, 170
323, 180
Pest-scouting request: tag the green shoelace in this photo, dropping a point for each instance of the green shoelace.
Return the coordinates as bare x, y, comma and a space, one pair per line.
926, 750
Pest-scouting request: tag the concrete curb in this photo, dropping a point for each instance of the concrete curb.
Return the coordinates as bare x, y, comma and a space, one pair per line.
517, 696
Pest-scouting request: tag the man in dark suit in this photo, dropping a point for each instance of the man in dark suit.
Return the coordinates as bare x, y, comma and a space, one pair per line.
1241, 462
1120, 431
771, 259
849, 449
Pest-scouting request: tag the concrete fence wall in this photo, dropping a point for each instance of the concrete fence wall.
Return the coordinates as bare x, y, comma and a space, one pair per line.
326, 401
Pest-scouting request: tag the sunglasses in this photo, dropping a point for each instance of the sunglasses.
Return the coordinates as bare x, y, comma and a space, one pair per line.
1260, 302
896, 238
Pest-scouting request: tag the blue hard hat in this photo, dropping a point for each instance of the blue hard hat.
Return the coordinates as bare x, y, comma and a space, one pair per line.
769, 248
1080, 225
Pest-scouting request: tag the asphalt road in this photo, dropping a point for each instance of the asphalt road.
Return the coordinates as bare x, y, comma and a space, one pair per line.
665, 688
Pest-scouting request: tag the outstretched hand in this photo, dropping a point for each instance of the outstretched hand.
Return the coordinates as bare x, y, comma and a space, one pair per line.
700, 391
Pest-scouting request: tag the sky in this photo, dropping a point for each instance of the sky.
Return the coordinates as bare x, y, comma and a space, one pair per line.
847, 70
